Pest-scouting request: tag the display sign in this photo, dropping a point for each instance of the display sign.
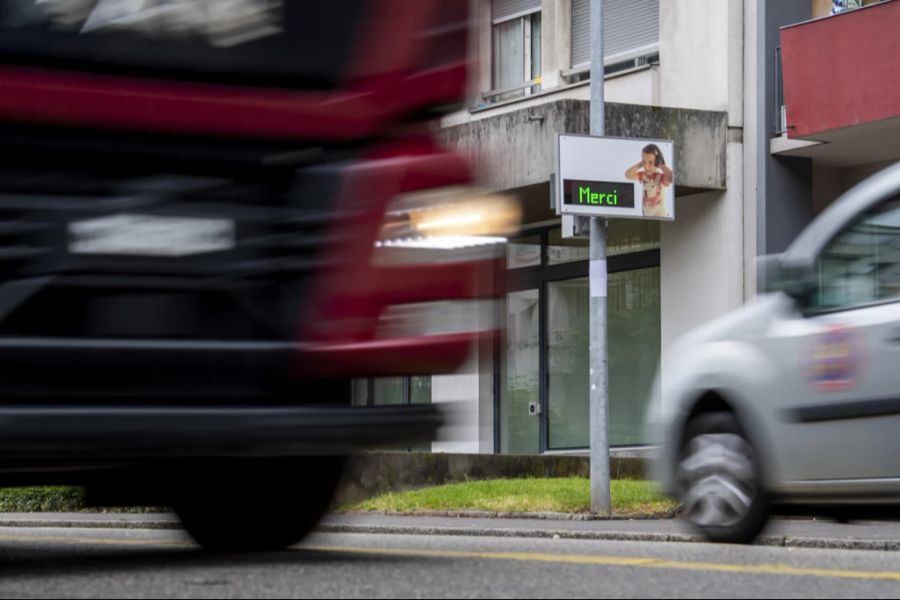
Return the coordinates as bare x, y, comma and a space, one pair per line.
615, 178
598, 193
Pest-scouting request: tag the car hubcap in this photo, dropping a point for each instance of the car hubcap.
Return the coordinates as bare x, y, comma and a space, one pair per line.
719, 479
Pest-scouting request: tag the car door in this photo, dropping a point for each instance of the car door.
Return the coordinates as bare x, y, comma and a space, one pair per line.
839, 359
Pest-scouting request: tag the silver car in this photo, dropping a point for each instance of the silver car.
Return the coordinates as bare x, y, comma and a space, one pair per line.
793, 402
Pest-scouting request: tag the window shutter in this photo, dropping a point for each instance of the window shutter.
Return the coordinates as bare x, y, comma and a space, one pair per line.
503, 10
628, 25
581, 31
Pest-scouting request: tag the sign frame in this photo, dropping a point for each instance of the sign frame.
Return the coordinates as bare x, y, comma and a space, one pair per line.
577, 160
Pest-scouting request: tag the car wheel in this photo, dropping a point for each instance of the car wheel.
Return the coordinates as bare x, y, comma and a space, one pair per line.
719, 477
256, 505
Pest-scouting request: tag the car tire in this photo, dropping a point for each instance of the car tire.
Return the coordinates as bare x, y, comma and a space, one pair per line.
719, 476
256, 505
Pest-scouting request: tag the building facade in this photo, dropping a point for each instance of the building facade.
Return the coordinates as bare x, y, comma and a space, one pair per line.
749, 174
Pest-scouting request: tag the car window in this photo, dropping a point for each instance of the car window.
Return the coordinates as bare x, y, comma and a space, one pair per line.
862, 264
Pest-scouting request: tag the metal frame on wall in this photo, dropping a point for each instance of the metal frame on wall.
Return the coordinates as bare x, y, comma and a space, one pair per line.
538, 277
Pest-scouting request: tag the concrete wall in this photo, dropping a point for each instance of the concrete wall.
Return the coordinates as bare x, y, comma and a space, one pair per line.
517, 149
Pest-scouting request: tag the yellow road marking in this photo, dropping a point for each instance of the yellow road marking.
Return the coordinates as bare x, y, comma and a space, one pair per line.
623, 561
610, 561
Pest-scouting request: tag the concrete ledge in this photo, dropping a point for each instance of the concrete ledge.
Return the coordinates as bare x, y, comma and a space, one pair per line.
379, 472
518, 148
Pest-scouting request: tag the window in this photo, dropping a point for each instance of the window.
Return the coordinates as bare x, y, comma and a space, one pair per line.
630, 35
523, 252
386, 391
516, 48
862, 264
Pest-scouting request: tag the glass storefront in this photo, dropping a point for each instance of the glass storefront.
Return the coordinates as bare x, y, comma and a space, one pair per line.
523, 252
568, 363
544, 365
542, 396
420, 390
391, 391
519, 431
634, 348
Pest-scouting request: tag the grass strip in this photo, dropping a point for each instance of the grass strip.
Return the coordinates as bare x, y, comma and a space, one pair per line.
563, 495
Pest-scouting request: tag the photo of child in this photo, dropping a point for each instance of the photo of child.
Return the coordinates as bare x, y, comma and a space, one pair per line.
654, 176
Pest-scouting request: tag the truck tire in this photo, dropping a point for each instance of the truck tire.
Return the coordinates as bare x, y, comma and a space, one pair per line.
256, 504
720, 480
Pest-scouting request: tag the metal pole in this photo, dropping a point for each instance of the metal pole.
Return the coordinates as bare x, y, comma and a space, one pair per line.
600, 496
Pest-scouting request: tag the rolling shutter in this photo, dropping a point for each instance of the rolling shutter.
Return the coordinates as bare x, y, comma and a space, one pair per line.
628, 25
503, 10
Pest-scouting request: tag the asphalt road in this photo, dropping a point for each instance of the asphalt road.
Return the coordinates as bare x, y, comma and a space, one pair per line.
63, 563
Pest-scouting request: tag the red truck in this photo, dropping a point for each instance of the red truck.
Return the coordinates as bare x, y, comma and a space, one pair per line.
209, 216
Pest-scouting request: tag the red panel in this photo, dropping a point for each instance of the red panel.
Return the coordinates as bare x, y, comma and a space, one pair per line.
349, 299
426, 355
30, 95
842, 71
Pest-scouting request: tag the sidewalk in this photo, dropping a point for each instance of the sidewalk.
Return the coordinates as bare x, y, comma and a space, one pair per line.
789, 533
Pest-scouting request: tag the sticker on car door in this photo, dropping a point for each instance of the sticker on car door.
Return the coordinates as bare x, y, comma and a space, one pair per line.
837, 360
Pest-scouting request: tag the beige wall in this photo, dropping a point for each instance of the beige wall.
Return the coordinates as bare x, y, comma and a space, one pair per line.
701, 55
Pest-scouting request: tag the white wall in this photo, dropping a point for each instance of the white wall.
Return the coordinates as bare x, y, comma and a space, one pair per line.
468, 398
702, 256
700, 51
708, 254
637, 87
751, 116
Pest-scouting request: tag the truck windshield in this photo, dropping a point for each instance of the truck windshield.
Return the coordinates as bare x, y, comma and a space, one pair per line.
237, 41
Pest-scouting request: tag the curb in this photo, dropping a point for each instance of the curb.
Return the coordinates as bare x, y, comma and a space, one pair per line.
785, 541
92, 523
769, 540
